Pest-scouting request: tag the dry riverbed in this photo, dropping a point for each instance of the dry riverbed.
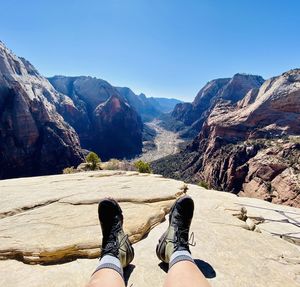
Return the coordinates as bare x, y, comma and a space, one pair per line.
166, 143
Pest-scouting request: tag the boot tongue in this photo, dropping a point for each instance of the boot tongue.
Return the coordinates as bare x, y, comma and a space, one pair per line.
178, 219
115, 229
181, 225
182, 239
111, 242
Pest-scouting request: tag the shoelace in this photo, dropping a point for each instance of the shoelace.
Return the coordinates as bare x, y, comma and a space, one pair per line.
179, 239
115, 244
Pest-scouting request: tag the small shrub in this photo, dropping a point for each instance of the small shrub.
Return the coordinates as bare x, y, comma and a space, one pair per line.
112, 164
69, 170
93, 159
203, 184
142, 167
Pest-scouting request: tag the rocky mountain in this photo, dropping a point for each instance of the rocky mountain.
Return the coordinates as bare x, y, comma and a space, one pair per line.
251, 147
43, 129
165, 105
104, 120
93, 91
119, 129
148, 108
123, 135
143, 105
194, 114
34, 138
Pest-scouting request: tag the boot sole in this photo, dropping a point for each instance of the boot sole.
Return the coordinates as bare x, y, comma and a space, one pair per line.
161, 246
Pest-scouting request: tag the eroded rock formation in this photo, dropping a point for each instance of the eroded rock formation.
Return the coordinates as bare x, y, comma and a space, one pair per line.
231, 90
111, 132
105, 122
119, 129
34, 138
251, 147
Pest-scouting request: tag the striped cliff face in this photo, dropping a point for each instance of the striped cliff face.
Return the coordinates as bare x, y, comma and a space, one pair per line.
34, 138
250, 147
104, 120
43, 130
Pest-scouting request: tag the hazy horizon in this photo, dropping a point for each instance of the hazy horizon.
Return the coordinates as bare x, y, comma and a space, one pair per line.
162, 49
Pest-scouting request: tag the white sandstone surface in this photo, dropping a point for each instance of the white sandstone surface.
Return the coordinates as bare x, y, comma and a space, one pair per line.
50, 236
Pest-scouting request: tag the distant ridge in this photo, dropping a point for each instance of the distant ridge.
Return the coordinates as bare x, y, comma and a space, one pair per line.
232, 89
248, 141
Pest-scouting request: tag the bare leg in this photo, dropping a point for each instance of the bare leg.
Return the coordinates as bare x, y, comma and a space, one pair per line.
106, 278
116, 250
173, 247
185, 274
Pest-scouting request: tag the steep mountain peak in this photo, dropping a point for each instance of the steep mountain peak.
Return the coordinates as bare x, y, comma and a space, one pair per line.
127, 94
250, 147
5, 48
295, 71
113, 115
34, 138
91, 90
230, 90
18, 71
210, 90
11, 66
272, 109
29, 67
239, 85
143, 105
104, 119
114, 104
245, 75
282, 91
143, 96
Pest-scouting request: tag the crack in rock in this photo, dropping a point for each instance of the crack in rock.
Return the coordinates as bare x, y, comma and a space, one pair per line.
64, 254
26, 208
124, 199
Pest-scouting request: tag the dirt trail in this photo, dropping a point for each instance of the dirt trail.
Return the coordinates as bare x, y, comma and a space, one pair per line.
166, 143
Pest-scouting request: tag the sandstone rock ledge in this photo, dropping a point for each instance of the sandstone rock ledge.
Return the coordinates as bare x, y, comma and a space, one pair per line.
49, 232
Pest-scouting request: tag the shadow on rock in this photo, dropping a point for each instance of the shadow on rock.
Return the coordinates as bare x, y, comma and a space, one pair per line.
164, 266
207, 270
127, 272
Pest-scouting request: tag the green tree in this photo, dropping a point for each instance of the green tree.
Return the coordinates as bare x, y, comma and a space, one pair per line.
142, 167
93, 159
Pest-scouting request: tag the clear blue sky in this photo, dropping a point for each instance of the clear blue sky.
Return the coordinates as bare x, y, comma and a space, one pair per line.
167, 48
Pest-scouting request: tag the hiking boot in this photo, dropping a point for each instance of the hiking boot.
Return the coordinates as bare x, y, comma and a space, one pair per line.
176, 238
114, 242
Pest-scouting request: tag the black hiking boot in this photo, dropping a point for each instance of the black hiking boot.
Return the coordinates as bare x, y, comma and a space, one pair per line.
176, 238
114, 242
